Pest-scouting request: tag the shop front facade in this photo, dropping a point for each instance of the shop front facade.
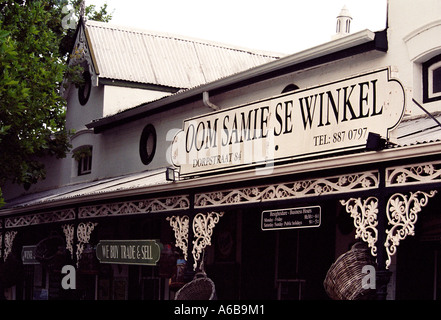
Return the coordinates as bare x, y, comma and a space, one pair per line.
247, 252
262, 179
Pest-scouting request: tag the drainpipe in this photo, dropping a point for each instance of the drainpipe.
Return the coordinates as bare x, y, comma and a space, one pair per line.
207, 103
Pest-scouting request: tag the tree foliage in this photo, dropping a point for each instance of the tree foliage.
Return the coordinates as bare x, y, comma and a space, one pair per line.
34, 47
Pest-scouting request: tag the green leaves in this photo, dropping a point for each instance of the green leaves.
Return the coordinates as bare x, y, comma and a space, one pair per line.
32, 67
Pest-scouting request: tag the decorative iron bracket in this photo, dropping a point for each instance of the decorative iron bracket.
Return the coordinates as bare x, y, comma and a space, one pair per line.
180, 227
84, 230
9, 240
364, 213
68, 230
203, 225
402, 214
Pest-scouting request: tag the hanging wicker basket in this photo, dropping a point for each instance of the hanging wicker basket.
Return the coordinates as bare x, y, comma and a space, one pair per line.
51, 252
47, 248
200, 288
344, 279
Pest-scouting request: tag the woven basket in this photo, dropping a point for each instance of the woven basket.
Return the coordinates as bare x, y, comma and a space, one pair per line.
344, 279
47, 248
200, 288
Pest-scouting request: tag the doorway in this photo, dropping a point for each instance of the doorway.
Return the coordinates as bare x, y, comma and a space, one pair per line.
288, 264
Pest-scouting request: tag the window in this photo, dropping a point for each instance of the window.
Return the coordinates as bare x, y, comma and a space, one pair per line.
348, 26
147, 144
83, 156
432, 79
290, 87
84, 89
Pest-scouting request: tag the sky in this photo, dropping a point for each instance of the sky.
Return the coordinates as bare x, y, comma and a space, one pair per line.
281, 26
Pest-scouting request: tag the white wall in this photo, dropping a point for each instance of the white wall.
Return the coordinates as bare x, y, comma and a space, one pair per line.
414, 37
117, 99
118, 148
77, 115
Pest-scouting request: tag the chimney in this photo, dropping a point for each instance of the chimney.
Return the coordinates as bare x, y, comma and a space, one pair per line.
343, 23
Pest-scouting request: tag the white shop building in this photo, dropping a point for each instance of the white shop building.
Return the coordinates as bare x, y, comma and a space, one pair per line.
265, 167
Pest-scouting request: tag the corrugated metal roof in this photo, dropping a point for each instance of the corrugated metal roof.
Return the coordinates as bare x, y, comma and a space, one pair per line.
163, 59
315, 56
126, 182
418, 130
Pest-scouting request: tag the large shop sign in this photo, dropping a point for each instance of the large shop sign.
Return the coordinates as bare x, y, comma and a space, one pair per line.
325, 119
141, 252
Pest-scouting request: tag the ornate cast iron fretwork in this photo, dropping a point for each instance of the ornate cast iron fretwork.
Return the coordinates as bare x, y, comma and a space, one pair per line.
135, 207
9, 241
428, 172
302, 188
364, 213
402, 214
84, 230
40, 218
81, 54
68, 230
203, 225
180, 227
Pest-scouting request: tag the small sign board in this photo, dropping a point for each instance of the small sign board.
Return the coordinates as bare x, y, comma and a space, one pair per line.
292, 218
28, 255
140, 252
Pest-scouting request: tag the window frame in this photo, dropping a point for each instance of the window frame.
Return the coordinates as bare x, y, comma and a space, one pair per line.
149, 132
84, 163
428, 67
85, 88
